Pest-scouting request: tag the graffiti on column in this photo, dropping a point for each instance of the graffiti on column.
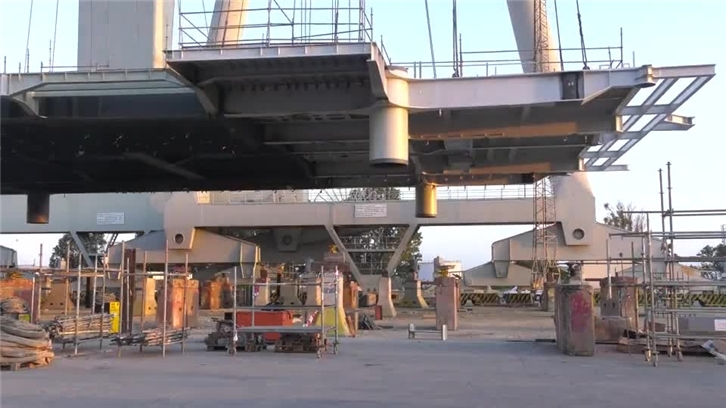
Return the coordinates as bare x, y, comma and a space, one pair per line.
581, 311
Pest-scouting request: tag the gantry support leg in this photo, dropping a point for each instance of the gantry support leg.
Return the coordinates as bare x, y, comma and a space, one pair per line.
82, 248
341, 247
385, 299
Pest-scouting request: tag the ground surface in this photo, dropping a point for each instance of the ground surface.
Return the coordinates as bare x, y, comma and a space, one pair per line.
475, 368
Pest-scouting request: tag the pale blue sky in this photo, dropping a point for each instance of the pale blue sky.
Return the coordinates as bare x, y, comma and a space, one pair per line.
661, 33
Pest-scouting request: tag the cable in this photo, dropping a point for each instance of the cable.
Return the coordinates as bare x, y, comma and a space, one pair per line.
27, 42
455, 46
55, 33
559, 40
582, 36
431, 38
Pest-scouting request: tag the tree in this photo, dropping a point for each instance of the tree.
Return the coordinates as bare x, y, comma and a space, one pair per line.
621, 217
95, 244
712, 252
382, 237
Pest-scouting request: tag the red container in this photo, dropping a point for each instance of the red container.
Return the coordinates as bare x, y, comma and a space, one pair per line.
378, 312
265, 318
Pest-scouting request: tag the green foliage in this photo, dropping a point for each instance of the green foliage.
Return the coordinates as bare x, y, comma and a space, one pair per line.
375, 262
95, 244
712, 252
620, 217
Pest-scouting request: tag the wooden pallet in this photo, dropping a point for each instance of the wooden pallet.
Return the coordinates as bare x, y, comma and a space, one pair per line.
22, 366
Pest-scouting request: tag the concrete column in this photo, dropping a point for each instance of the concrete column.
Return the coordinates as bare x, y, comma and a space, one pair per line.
145, 300
288, 295
547, 301
314, 294
447, 303
384, 297
412, 295
228, 20
263, 292
574, 319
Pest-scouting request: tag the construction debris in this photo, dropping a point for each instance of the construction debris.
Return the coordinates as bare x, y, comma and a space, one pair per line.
63, 328
366, 323
23, 345
717, 348
300, 343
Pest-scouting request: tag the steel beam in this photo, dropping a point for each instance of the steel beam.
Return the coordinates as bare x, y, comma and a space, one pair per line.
166, 166
398, 253
82, 248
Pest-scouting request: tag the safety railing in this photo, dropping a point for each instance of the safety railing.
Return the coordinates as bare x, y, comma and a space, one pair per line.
276, 25
508, 62
508, 192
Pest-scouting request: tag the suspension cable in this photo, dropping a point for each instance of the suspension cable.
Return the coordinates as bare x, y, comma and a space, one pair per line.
27, 42
455, 47
55, 34
559, 39
582, 36
431, 38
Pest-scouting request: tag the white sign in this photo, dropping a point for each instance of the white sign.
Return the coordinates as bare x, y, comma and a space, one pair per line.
115, 218
719, 325
371, 210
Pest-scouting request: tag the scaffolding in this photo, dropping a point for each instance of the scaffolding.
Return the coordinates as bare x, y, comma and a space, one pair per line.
252, 337
675, 319
275, 25
76, 327
544, 238
162, 336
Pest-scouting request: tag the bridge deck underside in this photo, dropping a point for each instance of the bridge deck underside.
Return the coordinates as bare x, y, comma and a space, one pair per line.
287, 118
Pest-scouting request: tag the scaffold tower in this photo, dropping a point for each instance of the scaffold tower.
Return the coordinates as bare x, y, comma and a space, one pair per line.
544, 245
544, 242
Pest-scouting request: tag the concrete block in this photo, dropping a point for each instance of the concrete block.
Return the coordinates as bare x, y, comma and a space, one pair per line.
618, 300
574, 319
610, 328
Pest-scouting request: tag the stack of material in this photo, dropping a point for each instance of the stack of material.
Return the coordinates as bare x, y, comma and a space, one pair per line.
151, 337
63, 329
23, 343
13, 305
300, 343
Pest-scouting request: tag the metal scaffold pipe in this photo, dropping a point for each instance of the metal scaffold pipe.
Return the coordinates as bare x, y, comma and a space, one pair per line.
228, 20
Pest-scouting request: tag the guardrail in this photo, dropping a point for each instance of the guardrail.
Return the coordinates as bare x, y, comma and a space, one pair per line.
507, 62
276, 25
511, 192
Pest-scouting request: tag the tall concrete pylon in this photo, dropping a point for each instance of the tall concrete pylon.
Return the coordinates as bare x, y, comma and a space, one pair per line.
228, 19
